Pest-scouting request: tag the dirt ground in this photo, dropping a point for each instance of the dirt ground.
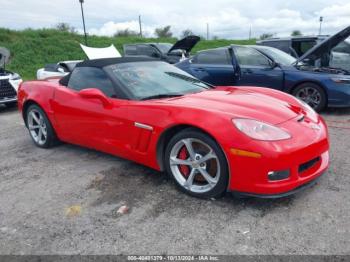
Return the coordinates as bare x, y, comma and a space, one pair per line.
38, 186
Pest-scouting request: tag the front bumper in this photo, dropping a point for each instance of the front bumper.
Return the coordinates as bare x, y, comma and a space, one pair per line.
8, 90
6, 100
249, 176
285, 194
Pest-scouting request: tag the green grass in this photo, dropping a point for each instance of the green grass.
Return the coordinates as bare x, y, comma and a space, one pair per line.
32, 49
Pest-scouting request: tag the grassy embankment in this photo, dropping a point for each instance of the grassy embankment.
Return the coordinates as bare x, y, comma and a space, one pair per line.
31, 49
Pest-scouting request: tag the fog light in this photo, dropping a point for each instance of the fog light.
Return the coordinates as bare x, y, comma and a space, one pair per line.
278, 175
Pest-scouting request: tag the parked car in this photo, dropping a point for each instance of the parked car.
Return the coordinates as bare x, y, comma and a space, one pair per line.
9, 81
269, 67
64, 67
163, 51
252, 141
339, 56
60, 69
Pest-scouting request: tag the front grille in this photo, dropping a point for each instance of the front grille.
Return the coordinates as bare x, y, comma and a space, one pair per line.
6, 90
307, 165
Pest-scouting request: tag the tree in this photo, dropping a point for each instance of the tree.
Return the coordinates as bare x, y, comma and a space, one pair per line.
65, 27
186, 33
163, 32
126, 32
266, 36
296, 33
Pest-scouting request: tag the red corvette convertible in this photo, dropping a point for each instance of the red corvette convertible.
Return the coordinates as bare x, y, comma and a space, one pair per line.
247, 140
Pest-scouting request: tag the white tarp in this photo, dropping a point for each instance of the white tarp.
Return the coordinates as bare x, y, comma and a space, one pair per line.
104, 52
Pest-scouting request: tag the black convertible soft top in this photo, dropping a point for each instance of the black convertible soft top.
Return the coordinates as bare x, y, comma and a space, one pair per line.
100, 63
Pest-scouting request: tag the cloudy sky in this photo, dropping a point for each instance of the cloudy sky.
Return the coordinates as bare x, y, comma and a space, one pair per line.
227, 18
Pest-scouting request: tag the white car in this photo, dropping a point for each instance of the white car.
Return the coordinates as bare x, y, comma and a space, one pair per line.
9, 81
64, 67
60, 69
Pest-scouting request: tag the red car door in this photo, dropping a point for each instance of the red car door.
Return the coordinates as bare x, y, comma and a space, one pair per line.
87, 120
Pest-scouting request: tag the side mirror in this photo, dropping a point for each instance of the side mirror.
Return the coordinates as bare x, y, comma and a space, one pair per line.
94, 93
61, 70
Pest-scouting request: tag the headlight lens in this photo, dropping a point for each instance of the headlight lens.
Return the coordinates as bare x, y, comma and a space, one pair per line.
259, 130
15, 76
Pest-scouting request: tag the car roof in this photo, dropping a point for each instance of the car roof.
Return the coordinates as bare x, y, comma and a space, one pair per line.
322, 37
100, 63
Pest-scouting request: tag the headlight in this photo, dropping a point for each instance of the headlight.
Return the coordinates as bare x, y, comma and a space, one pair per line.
15, 76
259, 130
340, 80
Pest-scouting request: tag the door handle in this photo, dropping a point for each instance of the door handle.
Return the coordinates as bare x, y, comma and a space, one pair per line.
199, 69
247, 71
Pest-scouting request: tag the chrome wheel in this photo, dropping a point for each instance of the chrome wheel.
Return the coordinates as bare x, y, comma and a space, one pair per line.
37, 126
194, 165
309, 95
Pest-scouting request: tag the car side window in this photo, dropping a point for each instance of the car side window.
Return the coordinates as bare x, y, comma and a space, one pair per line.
130, 50
91, 77
342, 47
147, 50
215, 57
250, 57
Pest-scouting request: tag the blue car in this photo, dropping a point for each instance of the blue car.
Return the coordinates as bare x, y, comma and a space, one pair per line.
309, 78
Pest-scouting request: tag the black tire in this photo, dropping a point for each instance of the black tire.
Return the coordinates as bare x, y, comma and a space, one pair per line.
319, 93
220, 187
51, 138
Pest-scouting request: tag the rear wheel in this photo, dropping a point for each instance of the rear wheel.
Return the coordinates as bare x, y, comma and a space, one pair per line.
40, 128
197, 164
312, 94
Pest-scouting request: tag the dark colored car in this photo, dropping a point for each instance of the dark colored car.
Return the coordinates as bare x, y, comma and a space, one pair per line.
339, 56
163, 51
269, 67
9, 81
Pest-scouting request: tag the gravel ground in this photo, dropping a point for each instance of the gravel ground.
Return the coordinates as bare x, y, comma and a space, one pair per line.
38, 186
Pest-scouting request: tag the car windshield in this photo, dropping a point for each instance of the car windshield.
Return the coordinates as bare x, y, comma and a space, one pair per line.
149, 80
164, 47
277, 55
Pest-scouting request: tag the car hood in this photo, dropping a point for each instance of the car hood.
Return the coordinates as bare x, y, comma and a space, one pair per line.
185, 44
244, 103
325, 46
97, 53
4, 56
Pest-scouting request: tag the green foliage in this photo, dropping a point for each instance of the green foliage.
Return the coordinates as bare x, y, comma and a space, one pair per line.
296, 33
125, 33
163, 31
32, 49
266, 36
186, 33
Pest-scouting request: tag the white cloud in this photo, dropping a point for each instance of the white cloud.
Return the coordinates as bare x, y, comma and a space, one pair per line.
226, 18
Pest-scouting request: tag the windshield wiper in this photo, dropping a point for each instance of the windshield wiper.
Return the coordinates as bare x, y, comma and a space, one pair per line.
190, 79
161, 96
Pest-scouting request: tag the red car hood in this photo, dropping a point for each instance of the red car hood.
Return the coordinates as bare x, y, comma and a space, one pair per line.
266, 106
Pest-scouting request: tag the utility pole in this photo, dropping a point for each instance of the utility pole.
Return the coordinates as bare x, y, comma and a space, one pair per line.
140, 26
207, 31
250, 32
320, 30
82, 15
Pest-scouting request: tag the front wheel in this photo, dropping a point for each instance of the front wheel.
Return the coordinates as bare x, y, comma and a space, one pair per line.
197, 164
312, 94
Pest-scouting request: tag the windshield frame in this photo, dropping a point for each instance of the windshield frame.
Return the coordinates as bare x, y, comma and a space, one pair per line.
127, 90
